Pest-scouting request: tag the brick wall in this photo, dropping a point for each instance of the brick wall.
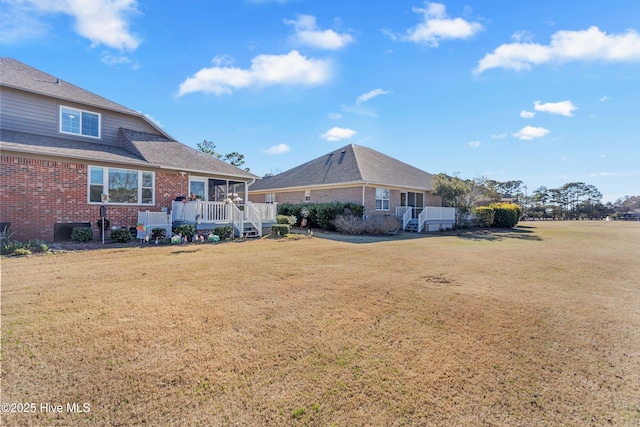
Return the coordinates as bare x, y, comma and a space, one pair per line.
37, 193
349, 194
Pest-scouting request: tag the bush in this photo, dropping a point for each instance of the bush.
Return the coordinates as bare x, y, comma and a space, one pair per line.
121, 235
507, 215
81, 234
286, 219
22, 252
485, 216
382, 225
9, 246
37, 246
280, 229
320, 215
186, 230
224, 232
349, 224
158, 233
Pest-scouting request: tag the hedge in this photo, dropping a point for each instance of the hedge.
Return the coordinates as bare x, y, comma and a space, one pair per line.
320, 215
485, 215
507, 215
280, 229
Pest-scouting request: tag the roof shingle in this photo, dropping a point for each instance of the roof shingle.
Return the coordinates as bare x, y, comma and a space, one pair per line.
351, 164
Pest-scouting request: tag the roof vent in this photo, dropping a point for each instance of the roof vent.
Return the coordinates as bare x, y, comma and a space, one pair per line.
57, 81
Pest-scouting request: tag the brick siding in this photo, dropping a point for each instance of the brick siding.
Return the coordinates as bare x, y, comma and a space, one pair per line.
37, 193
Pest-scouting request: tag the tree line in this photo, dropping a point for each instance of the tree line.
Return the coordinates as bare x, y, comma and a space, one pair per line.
573, 200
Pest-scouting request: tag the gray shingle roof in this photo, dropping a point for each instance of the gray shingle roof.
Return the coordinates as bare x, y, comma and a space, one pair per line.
350, 164
158, 150
136, 148
139, 149
17, 75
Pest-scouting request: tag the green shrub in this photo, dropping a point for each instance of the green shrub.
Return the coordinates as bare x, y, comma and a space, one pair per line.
224, 232
286, 219
320, 215
158, 233
280, 229
81, 234
37, 246
485, 216
507, 215
121, 235
21, 251
9, 246
186, 230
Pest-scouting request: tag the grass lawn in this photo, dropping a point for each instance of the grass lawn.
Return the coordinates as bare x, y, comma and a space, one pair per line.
537, 326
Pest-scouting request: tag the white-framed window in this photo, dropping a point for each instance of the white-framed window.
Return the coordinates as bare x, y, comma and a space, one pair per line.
270, 198
382, 199
198, 188
124, 186
307, 196
80, 122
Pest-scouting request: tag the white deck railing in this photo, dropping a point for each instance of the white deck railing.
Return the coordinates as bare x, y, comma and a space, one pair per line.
237, 218
422, 220
440, 214
406, 217
151, 220
425, 214
219, 212
253, 215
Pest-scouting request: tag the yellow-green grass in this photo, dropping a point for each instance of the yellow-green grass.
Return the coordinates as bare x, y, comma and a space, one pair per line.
537, 326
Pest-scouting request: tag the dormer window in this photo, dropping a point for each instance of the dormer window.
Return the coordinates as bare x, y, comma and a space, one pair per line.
79, 122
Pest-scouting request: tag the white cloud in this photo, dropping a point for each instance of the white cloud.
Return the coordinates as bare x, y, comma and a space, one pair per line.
605, 98
563, 108
278, 149
530, 132
335, 116
474, 144
367, 96
308, 34
565, 46
527, 114
520, 36
265, 70
437, 26
336, 134
499, 136
103, 22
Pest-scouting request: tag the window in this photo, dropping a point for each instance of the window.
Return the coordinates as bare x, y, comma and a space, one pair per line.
307, 196
79, 122
382, 199
122, 185
270, 198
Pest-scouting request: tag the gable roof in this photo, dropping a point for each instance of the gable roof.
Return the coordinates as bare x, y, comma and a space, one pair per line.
15, 74
353, 164
136, 148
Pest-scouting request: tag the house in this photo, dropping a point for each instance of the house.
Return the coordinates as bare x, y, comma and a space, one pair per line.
382, 184
66, 152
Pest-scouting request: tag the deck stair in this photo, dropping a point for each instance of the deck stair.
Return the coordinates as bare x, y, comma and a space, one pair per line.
250, 231
412, 226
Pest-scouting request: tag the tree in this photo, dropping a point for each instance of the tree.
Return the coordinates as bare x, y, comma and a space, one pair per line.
234, 158
209, 147
626, 204
454, 192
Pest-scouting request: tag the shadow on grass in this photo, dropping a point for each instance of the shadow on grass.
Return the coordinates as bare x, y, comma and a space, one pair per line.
190, 251
522, 232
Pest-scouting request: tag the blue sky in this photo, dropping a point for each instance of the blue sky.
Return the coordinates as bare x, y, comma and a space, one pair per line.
547, 92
